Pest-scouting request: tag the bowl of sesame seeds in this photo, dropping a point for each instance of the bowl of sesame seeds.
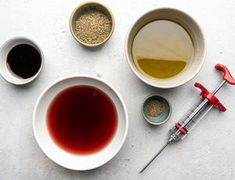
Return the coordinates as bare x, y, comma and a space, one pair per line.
91, 24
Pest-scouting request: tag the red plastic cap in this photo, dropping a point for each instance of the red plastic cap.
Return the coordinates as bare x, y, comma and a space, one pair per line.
226, 74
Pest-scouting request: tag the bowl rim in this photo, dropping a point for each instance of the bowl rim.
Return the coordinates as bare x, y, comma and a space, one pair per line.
96, 79
22, 39
136, 71
85, 4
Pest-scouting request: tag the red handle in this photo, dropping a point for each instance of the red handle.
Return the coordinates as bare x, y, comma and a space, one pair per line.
226, 74
210, 97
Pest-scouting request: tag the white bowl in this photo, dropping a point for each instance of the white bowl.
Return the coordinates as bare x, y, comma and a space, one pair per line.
5, 71
193, 29
58, 155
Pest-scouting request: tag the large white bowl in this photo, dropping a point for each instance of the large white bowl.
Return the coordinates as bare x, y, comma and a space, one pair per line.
58, 155
193, 29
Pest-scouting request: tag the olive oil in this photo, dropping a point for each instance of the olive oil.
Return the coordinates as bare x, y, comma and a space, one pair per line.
161, 68
162, 49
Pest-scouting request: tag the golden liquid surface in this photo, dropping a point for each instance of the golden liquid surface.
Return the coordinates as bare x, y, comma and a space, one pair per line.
161, 68
162, 49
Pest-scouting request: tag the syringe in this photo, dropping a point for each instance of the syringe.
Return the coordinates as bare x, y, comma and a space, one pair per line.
182, 128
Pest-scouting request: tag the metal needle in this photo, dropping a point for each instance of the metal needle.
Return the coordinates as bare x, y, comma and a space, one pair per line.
155, 157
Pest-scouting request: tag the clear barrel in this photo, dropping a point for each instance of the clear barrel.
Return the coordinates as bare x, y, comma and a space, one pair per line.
182, 128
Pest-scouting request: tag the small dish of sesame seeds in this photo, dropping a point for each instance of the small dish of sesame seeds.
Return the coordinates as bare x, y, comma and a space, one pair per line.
91, 24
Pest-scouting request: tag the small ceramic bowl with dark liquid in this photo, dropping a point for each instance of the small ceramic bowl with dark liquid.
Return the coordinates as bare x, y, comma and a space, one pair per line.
21, 60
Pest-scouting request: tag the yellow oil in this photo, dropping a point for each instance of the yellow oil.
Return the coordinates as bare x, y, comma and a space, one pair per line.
161, 68
162, 49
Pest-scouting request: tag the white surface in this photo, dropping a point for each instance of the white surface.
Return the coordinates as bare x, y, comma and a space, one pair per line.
53, 151
207, 153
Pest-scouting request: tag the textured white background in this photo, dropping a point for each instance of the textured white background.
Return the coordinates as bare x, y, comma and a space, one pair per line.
207, 153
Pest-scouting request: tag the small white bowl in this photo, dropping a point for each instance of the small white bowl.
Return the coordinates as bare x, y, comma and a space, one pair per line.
58, 155
193, 29
5, 71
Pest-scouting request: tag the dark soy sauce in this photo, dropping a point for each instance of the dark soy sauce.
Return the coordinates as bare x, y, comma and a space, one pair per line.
82, 120
24, 60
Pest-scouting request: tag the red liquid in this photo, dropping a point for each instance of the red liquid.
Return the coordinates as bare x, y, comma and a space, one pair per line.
82, 119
